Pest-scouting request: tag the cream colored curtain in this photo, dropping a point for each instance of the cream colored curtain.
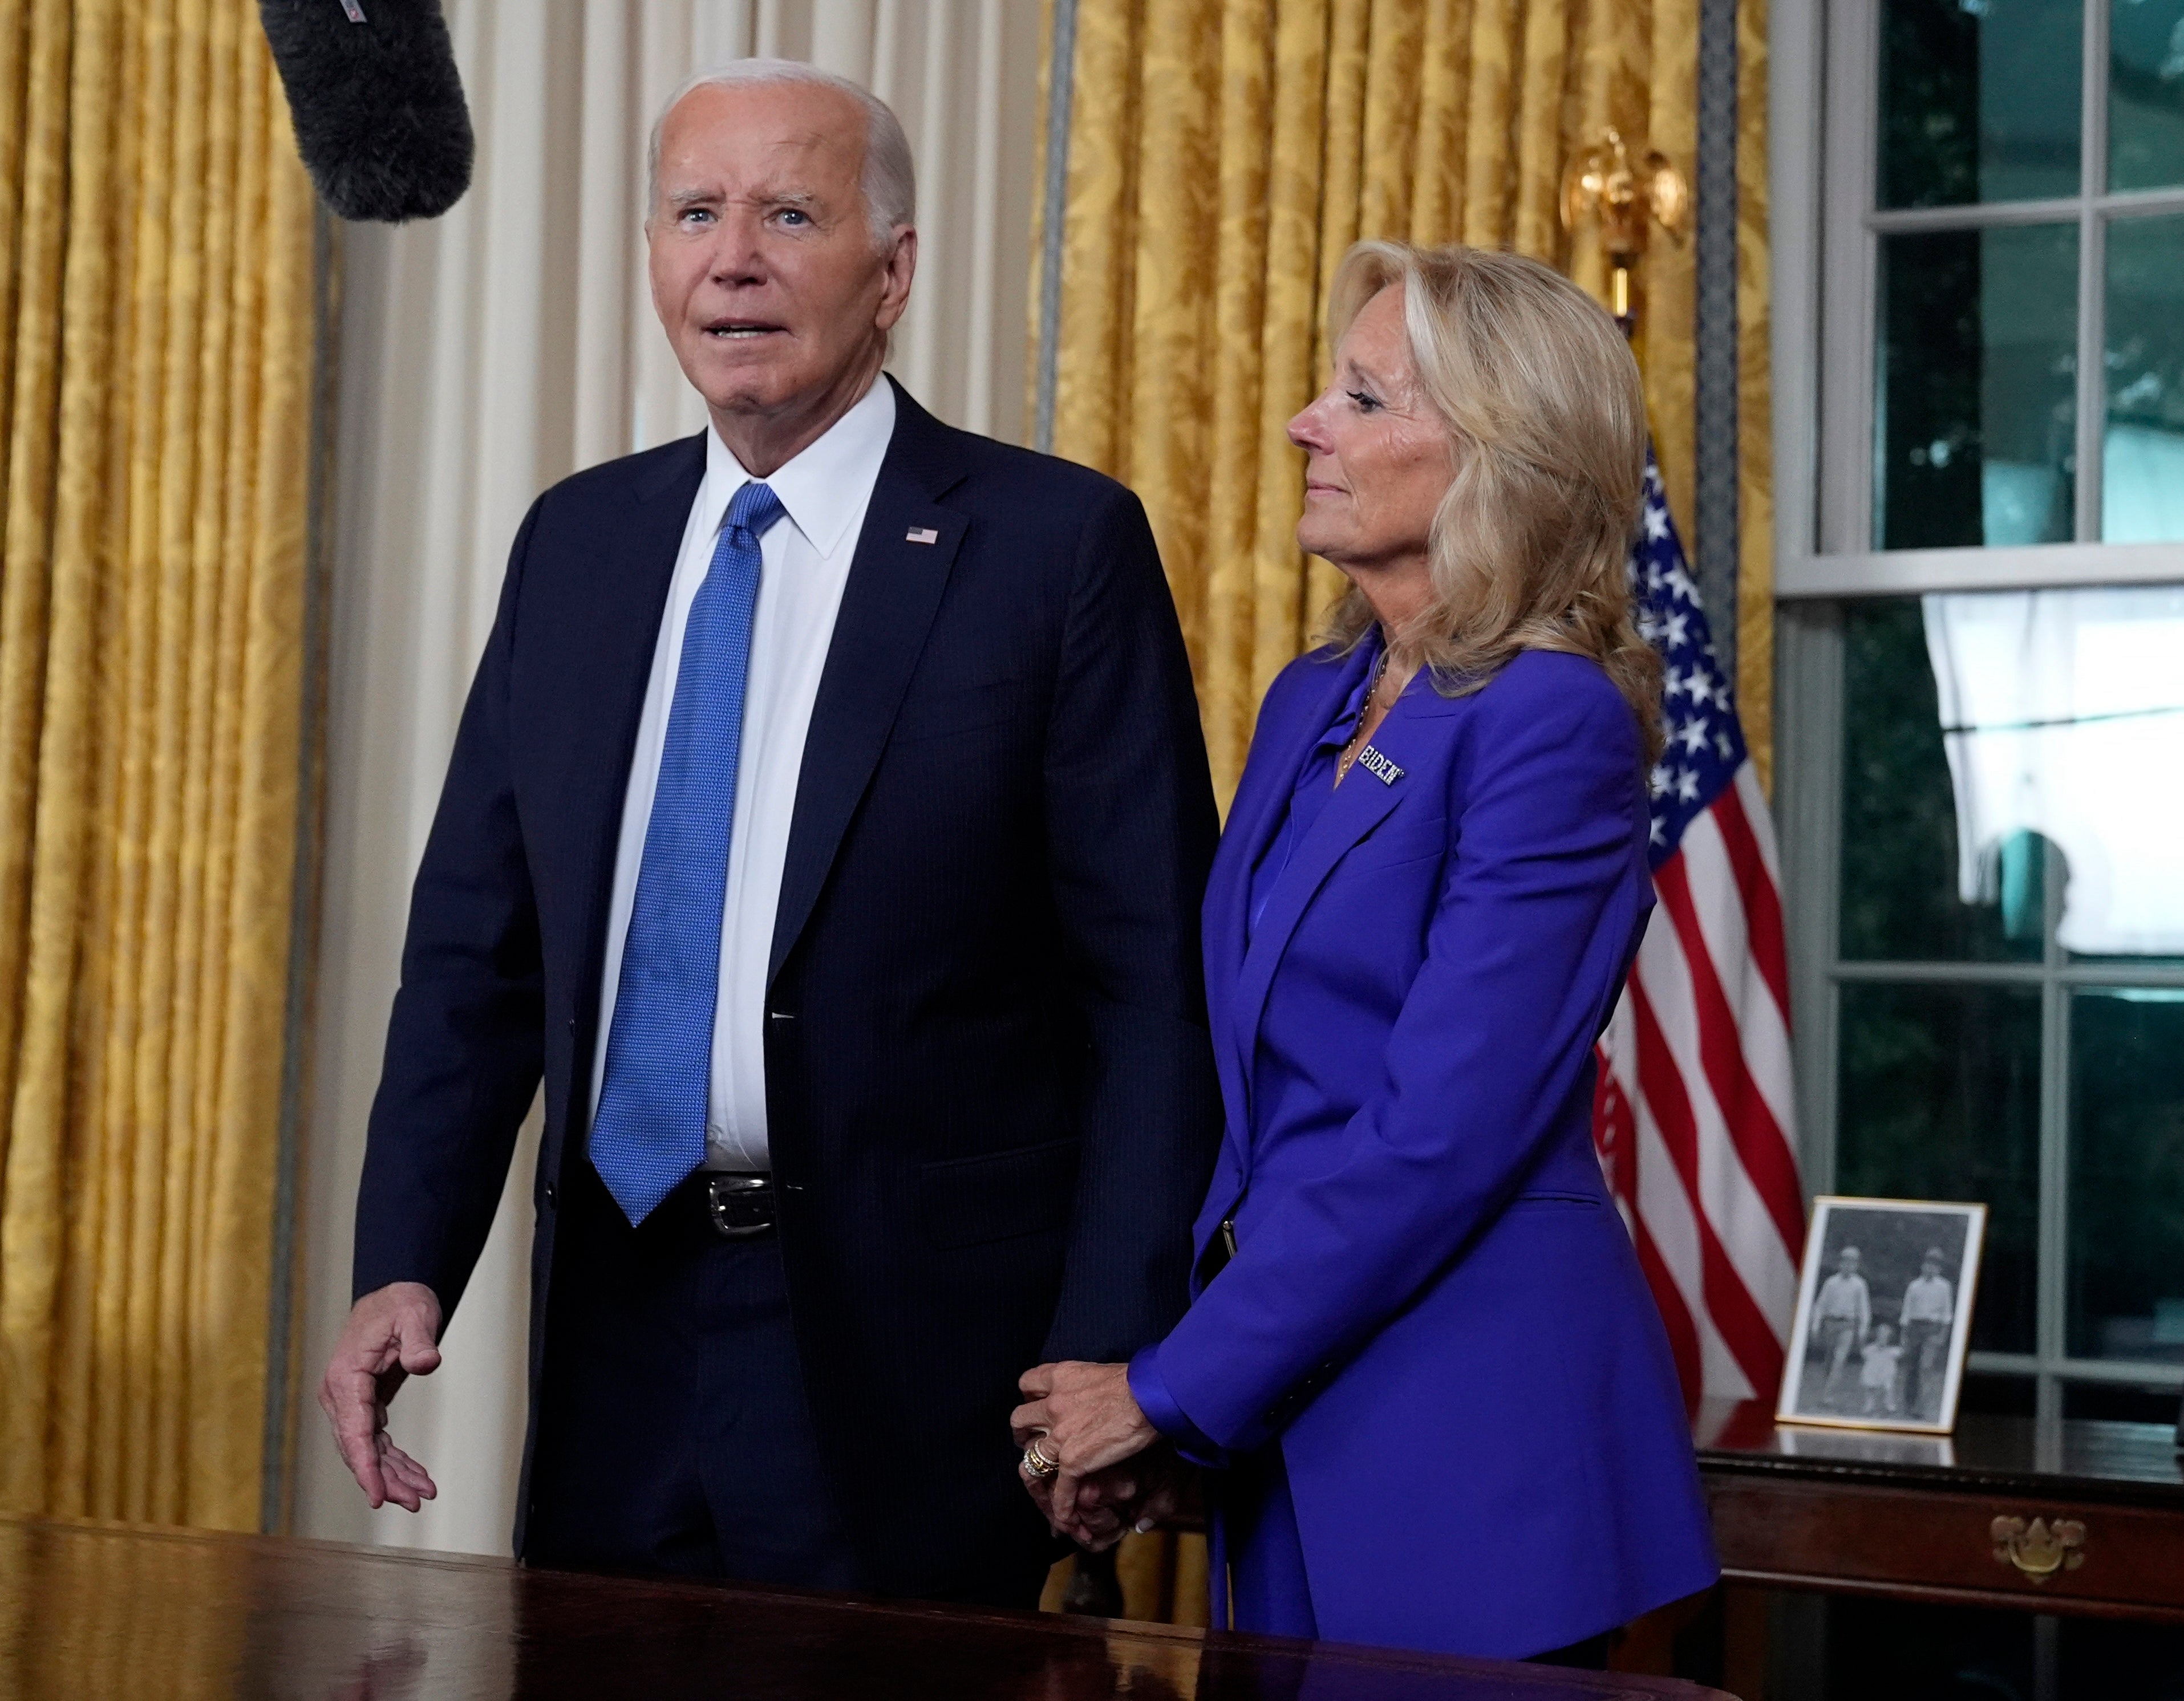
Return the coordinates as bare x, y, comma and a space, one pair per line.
1224, 153
484, 356
156, 257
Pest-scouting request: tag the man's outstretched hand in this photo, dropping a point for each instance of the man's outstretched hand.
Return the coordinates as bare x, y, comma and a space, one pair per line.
393, 1334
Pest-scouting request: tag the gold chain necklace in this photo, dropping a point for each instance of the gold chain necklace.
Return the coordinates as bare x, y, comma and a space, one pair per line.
1354, 746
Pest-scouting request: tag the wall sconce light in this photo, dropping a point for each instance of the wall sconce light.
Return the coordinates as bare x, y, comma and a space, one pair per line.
1623, 190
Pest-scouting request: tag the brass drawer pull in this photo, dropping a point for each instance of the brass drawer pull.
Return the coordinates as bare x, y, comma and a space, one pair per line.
2040, 1549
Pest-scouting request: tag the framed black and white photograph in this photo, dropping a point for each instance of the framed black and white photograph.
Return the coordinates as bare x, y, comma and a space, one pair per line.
1884, 1314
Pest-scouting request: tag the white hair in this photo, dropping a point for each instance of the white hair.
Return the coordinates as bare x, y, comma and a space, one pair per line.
889, 181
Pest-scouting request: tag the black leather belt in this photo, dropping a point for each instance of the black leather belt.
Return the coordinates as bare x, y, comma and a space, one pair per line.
739, 1206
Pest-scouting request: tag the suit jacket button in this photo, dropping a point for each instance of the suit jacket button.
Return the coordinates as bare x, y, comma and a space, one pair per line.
551, 1200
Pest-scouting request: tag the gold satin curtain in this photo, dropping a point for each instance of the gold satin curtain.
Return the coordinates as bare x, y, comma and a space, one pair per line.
157, 303
1223, 154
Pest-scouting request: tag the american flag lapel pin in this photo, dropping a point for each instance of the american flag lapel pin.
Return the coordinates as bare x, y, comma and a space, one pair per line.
921, 534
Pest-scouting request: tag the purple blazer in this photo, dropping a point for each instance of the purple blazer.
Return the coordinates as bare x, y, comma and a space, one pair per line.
1434, 1308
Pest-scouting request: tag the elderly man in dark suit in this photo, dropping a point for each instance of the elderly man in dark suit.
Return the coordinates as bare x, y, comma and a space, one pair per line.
827, 827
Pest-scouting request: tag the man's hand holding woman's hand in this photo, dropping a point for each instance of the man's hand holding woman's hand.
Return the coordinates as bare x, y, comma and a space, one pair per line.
393, 1334
1112, 1475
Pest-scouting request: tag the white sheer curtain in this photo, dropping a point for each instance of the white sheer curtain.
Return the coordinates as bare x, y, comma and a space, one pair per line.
2062, 714
482, 357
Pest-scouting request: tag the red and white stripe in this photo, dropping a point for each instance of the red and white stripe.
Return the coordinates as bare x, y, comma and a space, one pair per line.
1693, 1112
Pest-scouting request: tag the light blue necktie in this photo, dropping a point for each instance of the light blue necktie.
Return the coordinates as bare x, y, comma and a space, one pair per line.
650, 1130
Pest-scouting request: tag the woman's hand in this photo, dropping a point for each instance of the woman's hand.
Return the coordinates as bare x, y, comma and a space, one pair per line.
1086, 1412
1088, 1423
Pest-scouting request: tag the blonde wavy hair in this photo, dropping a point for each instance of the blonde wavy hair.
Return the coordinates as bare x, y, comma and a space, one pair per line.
1542, 399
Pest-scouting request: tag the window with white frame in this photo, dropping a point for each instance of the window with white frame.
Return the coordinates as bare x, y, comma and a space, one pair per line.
1981, 673
2002, 365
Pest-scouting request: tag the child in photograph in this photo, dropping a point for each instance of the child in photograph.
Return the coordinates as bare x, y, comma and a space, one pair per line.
1876, 1377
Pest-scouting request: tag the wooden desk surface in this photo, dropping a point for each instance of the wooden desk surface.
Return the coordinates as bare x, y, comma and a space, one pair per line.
2131, 1464
109, 1610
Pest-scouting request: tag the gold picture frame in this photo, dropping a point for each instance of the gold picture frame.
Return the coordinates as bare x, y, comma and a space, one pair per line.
1884, 1314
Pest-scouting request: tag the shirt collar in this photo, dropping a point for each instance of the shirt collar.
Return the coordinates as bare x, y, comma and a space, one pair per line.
825, 483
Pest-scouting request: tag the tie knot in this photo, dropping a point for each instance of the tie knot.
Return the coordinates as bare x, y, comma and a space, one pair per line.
754, 509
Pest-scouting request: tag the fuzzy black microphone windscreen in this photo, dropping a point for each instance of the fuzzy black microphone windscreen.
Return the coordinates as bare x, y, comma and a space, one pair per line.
378, 103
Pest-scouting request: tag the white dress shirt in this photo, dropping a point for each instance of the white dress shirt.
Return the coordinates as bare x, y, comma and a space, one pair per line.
824, 493
1928, 1299
1845, 1296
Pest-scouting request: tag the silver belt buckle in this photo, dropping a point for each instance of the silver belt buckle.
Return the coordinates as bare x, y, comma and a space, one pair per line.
732, 1199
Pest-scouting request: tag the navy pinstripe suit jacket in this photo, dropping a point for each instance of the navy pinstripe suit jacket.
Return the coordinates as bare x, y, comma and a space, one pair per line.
990, 1092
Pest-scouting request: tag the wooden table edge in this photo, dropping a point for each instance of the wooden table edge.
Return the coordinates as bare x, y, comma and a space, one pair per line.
1941, 1594
1211, 1641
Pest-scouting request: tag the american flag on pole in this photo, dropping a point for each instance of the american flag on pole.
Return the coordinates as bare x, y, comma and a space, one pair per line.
1692, 1112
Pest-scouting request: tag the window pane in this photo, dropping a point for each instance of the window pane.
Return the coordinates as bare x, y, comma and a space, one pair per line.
1938, 1098
2142, 442
1997, 1396
1980, 101
1902, 884
2146, 93
2063, 714
2127, 1174
1977, 388
2121, 1402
